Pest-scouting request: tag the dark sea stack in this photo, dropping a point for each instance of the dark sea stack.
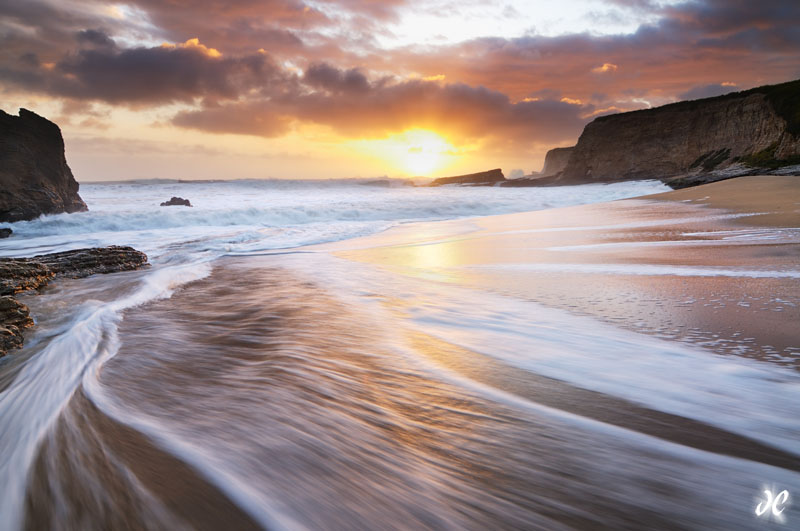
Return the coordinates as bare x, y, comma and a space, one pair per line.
34, 176
485, 178
5, 232
695, 142
177, 201
23, 274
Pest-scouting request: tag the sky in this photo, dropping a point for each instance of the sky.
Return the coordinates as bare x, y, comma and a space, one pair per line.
226, 89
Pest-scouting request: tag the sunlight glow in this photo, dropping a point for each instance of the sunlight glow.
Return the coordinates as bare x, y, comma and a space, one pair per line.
425, 150
416, 152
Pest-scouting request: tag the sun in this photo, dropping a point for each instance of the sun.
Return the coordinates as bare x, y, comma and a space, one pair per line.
415, 152
425, 151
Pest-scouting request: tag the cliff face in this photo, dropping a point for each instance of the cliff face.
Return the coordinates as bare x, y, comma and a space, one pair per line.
556, 161
753, 129
34, 176
482, 178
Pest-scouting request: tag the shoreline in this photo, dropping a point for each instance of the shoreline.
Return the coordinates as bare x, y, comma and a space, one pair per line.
21, 276
668, 263
501, 355
608, 239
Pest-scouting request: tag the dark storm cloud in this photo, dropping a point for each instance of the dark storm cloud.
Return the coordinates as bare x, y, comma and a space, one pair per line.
95, 37
155, 75
326, 77
235, 25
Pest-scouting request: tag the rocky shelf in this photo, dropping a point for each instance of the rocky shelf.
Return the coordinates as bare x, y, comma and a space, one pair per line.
22, 274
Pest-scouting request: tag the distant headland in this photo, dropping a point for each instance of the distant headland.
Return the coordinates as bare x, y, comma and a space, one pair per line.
683, 144
752, 132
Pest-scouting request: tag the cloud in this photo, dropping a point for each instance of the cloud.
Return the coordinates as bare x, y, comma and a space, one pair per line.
605, 67
95, 37
258, 119
353, 106
320, 63
156, 75
326, 77
685, 45
708, 91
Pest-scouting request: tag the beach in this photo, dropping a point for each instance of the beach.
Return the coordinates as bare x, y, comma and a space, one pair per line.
614, 365
327, 265
712, 265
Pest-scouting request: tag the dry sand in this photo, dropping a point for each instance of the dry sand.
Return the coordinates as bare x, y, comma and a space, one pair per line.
778, 197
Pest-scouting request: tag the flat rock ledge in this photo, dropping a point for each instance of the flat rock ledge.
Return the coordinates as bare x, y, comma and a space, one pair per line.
22, 274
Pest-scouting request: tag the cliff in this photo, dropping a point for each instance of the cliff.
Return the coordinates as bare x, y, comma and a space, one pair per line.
556, 161
34, 176
694, 141
482, 178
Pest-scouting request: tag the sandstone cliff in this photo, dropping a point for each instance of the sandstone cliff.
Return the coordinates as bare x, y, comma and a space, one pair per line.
34, 176
709, 139
482, 178
556, 160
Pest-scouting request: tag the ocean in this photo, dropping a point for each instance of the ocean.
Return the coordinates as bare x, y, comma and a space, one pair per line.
248, 379
251, 216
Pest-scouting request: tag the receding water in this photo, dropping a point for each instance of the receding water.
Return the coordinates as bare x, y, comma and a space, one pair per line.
229, 386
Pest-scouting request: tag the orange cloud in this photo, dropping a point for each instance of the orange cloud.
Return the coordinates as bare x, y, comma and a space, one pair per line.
194, 44
606, 67
259, 67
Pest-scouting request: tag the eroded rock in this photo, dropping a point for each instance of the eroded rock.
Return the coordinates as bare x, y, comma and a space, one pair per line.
556, 160
689, 142
484, 178
177, 201
22, 274
97, 260
34, 176
14, 318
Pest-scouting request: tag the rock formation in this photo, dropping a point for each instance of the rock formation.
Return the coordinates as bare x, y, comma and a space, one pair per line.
5, 232
692, 142
556, 160
176, 201
34, 176
14, 318
22, 274
484, 178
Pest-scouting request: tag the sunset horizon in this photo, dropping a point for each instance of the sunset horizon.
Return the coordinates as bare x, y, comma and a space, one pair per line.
324, 89
399, 265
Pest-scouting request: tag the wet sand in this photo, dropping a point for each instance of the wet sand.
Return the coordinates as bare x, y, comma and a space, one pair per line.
260, 397
309, 388
693, 265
